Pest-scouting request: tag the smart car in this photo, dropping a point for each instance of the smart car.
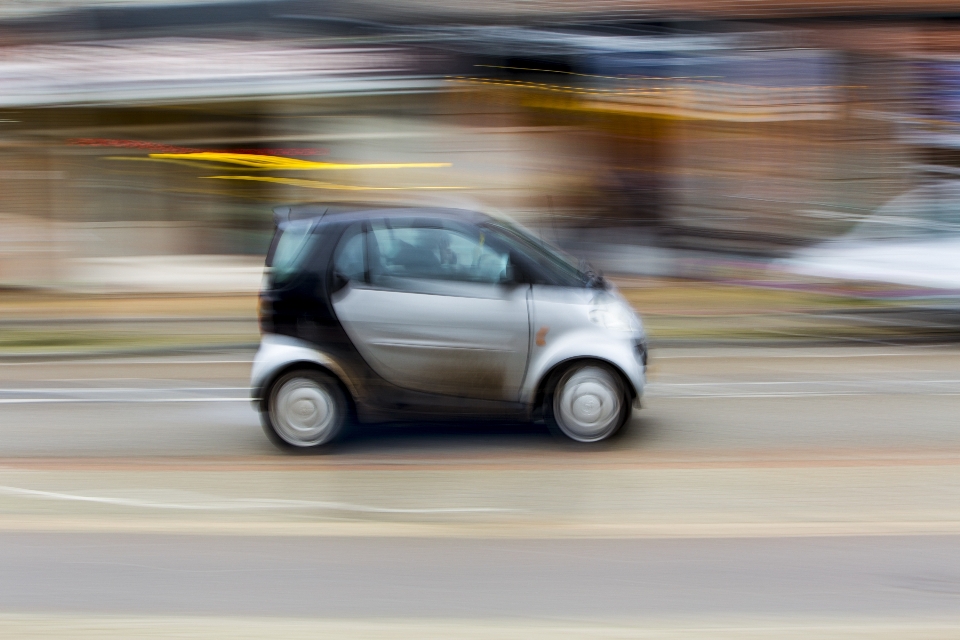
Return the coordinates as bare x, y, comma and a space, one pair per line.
408, 314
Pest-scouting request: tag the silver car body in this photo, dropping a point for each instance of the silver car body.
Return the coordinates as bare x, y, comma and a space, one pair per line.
516, 339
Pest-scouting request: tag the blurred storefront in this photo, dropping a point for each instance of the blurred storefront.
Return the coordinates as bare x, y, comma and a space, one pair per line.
100, 142
711, 134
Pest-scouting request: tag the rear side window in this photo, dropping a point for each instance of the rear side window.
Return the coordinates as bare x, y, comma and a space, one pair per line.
291, 245
350, 261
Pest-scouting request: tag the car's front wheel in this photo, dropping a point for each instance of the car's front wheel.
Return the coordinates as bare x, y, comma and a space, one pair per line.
588, 402
305, 409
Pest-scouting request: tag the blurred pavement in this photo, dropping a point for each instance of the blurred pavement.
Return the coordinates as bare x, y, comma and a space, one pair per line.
730, 442
760, 492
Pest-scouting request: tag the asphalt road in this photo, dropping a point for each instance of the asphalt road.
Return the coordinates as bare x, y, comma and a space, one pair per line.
457, 578
709, 400
753, 483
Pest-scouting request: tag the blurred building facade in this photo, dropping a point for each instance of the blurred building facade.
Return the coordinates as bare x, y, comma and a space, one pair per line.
135, 130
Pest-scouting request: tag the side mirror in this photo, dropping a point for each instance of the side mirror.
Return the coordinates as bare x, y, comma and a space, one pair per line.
509, 275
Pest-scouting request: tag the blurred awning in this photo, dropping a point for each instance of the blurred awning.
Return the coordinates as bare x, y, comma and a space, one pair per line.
511, 9
22, 8
165, 70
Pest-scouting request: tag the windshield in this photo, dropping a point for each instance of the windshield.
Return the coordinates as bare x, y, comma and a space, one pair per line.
927, 212
565, 269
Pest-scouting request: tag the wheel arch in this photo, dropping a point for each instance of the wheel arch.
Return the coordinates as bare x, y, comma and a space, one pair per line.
554, 371
263, 392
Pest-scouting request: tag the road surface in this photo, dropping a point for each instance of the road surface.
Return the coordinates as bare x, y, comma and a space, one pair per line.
759, 491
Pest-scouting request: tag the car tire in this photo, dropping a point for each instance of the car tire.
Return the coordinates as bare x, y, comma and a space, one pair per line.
587, 402
305, 410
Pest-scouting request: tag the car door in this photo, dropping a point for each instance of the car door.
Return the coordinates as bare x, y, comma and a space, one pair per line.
436, 311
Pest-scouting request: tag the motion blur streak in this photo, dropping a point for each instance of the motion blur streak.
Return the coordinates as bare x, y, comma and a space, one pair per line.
166, 148
288, 164
415, 233
316, 184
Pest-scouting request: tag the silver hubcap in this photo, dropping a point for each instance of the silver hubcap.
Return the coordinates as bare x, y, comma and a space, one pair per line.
304, 412
587, 404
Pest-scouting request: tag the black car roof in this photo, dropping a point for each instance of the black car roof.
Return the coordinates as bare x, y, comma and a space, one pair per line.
345, 212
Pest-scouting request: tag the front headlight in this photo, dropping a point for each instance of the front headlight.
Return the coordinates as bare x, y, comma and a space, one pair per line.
616, 317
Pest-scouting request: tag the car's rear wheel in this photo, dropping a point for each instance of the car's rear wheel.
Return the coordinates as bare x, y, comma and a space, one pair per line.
588, 402
305, 409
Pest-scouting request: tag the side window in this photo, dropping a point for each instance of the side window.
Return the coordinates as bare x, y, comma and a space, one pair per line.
423, 249
925, 212
349, 260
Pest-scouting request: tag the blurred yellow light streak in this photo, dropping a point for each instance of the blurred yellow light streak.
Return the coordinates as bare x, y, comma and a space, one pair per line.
184, 163
288, 164
213, 166
316, 184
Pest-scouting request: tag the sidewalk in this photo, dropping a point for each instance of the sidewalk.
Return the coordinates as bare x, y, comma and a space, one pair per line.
35, 322
38, 323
